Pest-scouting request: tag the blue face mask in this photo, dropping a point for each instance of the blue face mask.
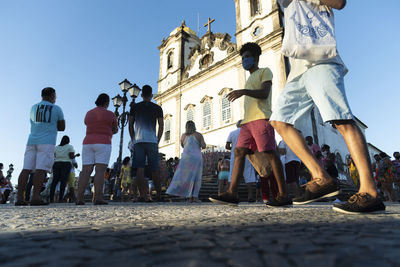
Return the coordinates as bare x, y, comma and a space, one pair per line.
247, 63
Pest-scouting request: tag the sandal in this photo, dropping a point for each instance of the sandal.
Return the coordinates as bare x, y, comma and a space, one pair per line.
38, 203
141, 199
100, 202
21, 203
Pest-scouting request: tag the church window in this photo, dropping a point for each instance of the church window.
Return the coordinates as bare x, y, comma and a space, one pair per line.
167, 133
226, 108
170, 59
254, 7
206, 61
190, 114
206, 115
257, 31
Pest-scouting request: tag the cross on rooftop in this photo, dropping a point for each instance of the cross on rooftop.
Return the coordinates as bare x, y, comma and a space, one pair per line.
208, 24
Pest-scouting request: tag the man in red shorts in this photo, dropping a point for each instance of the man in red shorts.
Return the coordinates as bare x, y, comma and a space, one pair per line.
257, 137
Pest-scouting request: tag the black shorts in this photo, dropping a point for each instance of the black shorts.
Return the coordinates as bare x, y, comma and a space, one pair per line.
292, 169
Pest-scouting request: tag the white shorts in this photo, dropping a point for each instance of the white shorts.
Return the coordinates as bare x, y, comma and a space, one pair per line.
322, 85
39, 157
96, 154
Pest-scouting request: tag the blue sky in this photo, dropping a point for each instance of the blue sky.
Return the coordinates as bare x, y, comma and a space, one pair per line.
83, 48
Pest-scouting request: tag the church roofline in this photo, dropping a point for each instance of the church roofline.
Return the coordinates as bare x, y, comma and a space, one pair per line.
185, 34
202, 73
371, 145
278, 33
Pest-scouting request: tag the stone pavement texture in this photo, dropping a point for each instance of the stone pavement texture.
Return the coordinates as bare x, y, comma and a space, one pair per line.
183, 234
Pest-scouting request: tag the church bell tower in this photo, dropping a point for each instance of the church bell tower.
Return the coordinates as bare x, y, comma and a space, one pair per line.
256, 19
174, 53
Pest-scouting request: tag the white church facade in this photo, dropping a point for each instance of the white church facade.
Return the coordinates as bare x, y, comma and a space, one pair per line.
196, 73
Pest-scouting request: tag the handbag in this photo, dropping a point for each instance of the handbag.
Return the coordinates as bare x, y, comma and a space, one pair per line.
309, 32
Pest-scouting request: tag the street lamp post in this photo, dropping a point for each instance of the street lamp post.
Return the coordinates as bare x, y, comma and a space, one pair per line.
10, 171
123, 118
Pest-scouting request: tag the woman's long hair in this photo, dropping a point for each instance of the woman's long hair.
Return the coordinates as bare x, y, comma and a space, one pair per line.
64, 140
190, 127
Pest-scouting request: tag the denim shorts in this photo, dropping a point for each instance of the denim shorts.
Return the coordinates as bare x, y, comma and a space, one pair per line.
321, 85
223, 175
141, 151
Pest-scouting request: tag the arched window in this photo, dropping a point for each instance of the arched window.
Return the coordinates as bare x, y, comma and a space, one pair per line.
226, 108
254, 7
167, 132
206, 114
170, 60
190, 114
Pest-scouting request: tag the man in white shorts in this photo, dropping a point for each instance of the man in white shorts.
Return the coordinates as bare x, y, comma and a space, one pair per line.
46, 119
321, 83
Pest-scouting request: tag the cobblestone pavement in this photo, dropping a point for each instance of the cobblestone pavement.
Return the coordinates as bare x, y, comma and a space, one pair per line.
181, 234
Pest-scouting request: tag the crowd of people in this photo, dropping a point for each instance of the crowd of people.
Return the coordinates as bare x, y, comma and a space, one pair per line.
6, 186
315, 80
387, 175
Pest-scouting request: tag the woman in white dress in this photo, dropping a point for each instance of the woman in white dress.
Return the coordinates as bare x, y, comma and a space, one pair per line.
187, 178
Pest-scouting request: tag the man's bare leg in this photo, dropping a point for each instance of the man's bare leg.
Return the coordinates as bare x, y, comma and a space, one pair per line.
250, 191
276, 165
297, 144
157, 184
237, 172
38, 179
22, 181
358, 149
141, 182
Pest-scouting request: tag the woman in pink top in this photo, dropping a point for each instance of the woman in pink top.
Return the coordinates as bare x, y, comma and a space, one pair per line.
101, 124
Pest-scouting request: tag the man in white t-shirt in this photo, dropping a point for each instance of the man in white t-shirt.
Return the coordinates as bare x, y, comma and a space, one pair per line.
292, 168
321, 83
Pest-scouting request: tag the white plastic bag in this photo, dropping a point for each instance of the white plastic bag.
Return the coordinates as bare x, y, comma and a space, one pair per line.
309, 32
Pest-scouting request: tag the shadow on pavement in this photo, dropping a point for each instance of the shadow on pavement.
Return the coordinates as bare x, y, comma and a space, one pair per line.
365, 243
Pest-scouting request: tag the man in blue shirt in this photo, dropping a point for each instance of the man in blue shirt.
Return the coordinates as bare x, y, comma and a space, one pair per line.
46, 119
142, 128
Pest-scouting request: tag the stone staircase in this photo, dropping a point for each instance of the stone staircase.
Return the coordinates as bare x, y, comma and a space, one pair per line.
209, 186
